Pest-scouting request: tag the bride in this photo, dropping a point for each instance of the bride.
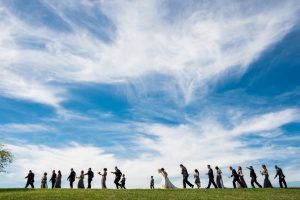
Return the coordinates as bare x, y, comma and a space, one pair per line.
165, 182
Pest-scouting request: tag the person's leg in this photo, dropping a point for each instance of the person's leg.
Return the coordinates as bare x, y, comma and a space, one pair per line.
213, 182
257, 183
280, 183
252, 183
233, 183
209, 183
284, 183
27, 184
187, 182
184, 182
117, 185
31, 184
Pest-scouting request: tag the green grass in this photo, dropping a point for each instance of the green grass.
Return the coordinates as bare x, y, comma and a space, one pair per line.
57, 194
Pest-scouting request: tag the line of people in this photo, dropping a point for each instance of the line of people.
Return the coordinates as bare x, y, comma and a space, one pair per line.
55, 179
238, 180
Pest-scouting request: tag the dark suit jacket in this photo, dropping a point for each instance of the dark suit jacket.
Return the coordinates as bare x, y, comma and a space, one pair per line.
118, 173
53, 177
184, 172
234, 174
90, 174
279, 173
30, 177
210, 174
252, 173
72, 176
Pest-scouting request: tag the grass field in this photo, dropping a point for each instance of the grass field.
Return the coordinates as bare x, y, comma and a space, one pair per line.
57, 194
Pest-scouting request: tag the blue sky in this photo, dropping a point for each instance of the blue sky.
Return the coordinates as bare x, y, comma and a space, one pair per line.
149, 84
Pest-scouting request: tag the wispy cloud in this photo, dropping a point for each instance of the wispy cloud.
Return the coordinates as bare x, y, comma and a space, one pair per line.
24, 128
194, 49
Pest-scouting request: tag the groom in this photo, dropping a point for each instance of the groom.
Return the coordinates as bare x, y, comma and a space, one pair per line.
185, 175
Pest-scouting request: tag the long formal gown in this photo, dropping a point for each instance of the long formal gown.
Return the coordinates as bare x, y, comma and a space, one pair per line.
267, 182
241, 177
58, 181
165, 182
80, 182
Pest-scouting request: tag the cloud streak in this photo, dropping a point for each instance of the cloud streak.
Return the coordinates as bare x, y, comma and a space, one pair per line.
194, 49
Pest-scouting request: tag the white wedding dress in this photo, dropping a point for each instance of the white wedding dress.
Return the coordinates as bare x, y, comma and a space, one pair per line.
165, 182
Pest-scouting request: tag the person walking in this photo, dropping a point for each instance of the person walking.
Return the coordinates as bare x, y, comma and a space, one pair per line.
151, 182
103, 178
211, 180
118, 175
235, 176
53, 179
264, 172
44, 181
30, 179
90, 175
197, 178
185, 176
219, 179
80, 184
241, 177
71, 177
123, 180
58, 180
281, 177
253, 177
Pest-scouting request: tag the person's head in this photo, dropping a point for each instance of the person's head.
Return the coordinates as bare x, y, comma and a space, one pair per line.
181, 165
196, 171
123, 175
217, 168
30, 171
90, 169
208, 166
251, 167
82, 172
239, 168
59, 172
105, 169
162, 169
53, 171
264, 166
230, 168
116, 167
151, 177
72, 169
45, 174
276, 167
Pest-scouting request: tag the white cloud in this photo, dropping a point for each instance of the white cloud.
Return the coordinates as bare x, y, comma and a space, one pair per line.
194, 49
24, 128
195, 145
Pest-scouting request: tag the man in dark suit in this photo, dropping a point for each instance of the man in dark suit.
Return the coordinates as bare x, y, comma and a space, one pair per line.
281, 176
53, 179
211, 180
118, 175
253, 177
30, 179
71, 177
235, 178
90, 175
185, 176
